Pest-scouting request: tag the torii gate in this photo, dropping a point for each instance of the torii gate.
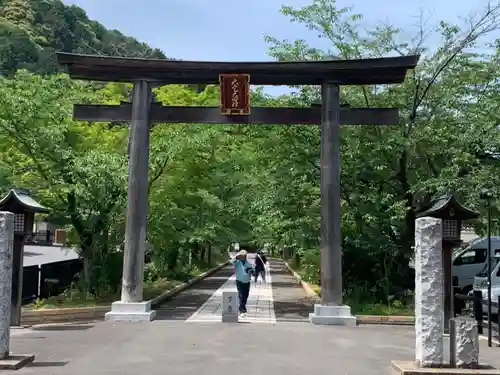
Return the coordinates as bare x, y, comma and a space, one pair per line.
235, 79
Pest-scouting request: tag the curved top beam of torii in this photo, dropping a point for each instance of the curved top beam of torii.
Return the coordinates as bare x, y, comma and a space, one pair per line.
385, 70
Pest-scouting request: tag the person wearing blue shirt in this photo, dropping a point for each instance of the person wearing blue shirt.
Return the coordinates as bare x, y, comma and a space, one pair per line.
243, 271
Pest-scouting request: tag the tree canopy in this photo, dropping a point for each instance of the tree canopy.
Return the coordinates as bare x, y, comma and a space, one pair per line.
213, 185
32, 30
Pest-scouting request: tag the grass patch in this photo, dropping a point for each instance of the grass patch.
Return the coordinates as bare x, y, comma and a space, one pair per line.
360, 307
75, 298
366, 308
393, 309
71, 298
158, 287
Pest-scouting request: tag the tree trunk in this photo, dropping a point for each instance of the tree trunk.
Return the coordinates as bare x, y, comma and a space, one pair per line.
87, 274
86, 242
202, 254
408, 234
209, 254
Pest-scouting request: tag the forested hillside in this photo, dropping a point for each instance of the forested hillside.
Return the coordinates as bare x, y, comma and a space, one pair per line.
32, 30
213, 185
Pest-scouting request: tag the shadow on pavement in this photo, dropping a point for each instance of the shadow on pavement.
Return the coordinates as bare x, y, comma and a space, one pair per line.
47, 364
279, 271
65, 327
284, 284
291, 303
182, 306
212, 283
292, 310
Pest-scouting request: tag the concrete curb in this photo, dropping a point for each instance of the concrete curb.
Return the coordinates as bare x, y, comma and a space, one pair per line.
394, 320
63, 315
96, 313
361, 319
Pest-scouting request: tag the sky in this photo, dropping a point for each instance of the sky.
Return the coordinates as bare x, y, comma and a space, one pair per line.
234, 30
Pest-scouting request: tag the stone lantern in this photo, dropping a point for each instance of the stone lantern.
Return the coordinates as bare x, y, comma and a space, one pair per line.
437, 231
24, 207
452, 213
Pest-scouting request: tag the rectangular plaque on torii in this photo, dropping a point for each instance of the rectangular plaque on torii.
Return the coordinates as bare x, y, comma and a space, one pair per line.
234, 94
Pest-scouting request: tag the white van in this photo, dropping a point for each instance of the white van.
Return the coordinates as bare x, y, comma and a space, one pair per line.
481, 279
481, 284
470, 260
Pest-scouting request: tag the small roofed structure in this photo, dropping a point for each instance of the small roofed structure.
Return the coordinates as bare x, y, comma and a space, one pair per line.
20, 200
23, 206
447, 206
452, 212
21, 203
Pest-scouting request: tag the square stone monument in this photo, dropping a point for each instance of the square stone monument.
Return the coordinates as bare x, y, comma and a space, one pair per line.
429, 318
465, 343
230, 307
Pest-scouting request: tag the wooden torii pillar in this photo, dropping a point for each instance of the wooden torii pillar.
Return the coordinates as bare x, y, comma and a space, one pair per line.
235, 109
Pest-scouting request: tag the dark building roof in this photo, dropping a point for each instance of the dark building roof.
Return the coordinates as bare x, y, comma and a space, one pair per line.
342, 72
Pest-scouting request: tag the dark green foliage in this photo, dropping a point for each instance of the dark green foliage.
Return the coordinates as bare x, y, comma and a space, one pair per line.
32, 30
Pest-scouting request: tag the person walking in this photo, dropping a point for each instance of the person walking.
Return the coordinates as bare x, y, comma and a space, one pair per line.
260, 266
243, 270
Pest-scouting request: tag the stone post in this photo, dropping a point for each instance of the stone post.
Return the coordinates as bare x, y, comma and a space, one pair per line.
6, 254
229, 306
429, 302
463, 332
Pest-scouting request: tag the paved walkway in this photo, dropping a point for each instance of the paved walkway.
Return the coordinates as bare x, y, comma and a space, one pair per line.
280, 300
291, 302
182, 306
260, 304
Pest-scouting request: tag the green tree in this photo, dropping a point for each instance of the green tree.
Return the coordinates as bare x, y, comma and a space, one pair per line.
17, 49
75, 168
31, 31
389, 174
